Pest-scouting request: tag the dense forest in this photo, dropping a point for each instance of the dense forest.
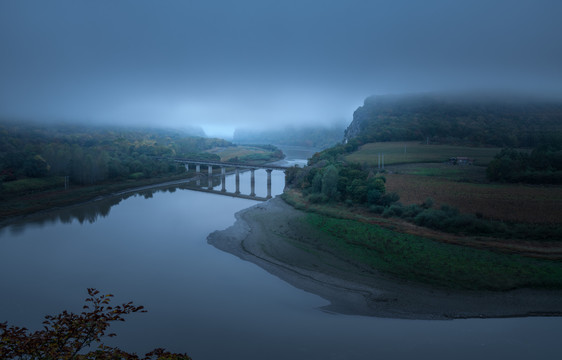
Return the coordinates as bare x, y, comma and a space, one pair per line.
477, 121
318, 136
89, 154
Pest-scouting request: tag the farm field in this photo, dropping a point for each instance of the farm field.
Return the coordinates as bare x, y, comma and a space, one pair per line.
415, 152
422, 172
509, 202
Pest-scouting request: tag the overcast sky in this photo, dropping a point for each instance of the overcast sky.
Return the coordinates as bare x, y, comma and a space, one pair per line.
240, 63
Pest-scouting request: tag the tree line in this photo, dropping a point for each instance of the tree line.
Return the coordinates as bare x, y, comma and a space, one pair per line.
90, 155
542, 166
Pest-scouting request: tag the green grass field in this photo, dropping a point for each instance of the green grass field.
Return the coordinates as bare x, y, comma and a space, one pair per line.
33, 184
240, 151
420, 259
415, 152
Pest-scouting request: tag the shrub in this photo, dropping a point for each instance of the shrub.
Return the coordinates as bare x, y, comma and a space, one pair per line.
374, 196
317, 198
68, 335
317, 183
411, 211
428, 203
449, 210
431, 218
136, 176
389, 198
393, 210
377, 209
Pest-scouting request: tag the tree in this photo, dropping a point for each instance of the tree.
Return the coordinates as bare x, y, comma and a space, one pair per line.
67, 335
330, 182
35, 166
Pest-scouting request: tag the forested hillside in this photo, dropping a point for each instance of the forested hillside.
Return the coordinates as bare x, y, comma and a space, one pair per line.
491, 121
90, 155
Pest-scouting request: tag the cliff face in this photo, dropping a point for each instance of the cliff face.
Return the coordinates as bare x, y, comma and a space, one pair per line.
354, 129
365, 114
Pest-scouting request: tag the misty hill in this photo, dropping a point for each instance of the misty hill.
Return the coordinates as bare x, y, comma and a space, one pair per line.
506, 121
318, 137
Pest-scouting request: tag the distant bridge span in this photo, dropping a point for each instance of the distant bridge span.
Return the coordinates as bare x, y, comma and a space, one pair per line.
229, 164
237, 166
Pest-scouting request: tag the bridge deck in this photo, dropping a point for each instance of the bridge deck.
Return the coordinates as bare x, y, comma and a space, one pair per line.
228, 164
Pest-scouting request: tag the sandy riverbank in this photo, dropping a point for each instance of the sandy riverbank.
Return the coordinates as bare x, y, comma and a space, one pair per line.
271, 235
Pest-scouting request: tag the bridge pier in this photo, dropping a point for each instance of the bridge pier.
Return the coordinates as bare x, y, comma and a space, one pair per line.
269, 183
210, 177
253, 183
237, 169
237, 173
223, 179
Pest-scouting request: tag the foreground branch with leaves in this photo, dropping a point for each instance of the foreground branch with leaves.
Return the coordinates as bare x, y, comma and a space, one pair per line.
68, 335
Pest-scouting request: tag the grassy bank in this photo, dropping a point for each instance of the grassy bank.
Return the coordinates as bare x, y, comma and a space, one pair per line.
423, 260
422, 255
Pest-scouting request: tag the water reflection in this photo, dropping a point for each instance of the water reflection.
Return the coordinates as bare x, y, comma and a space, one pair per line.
92, 211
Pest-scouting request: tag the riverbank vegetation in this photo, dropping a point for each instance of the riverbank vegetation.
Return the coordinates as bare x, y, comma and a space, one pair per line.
44, 166
421, 259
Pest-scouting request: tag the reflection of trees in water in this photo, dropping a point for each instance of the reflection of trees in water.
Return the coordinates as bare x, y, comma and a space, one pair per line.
88, 212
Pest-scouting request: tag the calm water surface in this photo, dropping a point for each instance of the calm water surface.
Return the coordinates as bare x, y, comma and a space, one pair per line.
151, 248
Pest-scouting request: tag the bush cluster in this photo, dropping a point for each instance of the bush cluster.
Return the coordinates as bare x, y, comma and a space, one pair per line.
542, 166
349, 183
451, 220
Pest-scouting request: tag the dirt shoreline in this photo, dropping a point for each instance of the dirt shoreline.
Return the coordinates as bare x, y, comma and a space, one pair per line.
270, 235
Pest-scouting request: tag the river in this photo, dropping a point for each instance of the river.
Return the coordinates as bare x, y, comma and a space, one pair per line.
150, 247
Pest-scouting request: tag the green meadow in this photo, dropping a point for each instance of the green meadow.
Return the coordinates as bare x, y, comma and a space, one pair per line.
416, 152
